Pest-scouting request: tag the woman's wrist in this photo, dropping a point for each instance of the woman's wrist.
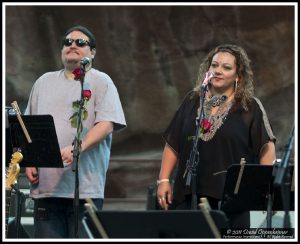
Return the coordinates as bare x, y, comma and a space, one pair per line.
162, 180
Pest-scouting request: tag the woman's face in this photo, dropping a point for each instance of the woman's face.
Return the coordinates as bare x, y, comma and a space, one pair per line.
225, 69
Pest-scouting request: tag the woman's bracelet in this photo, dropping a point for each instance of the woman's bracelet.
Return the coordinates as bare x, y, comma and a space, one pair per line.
162, 180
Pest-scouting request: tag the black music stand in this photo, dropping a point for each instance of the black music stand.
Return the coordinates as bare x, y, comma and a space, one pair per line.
255, 193
156, 224
44, 150
278, 201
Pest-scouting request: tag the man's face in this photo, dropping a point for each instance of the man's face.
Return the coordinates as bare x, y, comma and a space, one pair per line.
76, 47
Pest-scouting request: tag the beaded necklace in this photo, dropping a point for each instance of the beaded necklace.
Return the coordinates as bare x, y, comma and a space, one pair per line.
216, 120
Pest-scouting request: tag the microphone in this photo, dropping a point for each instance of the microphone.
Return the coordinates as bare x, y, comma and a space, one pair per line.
86, 63
208, 76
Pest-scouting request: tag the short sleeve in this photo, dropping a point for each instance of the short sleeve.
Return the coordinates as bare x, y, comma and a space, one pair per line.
32, 103
109, 108
172, 134
261, 131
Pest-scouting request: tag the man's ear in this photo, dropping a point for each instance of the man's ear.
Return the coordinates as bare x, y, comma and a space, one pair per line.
93, 51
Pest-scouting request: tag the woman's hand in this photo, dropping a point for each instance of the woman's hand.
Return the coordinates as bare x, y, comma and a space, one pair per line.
164, 194
164, 190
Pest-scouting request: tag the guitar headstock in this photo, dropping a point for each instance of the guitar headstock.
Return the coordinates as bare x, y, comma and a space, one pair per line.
13, 170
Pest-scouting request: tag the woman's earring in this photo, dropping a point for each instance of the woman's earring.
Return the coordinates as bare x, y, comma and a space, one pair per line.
236, 85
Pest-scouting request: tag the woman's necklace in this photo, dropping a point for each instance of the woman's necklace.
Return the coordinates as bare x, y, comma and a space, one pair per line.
224, 104
217, 100
214, 101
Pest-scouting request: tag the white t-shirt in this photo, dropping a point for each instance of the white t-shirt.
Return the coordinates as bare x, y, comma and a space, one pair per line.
53, 94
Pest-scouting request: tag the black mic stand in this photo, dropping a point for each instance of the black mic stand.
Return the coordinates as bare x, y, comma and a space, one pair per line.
192, 163
20, 200
76, 154
283, 179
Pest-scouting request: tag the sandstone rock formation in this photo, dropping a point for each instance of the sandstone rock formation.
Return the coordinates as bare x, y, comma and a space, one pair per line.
152, 53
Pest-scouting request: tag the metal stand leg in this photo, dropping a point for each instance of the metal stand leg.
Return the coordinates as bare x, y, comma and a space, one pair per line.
269, 212
20, 197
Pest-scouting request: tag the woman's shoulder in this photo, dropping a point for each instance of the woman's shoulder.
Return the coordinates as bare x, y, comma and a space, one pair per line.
188, 101
191, 96
256, 105
255, 101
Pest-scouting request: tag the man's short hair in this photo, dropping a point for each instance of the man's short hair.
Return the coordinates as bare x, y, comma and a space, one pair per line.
84, 30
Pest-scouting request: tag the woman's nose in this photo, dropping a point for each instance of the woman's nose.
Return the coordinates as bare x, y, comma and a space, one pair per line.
217, 70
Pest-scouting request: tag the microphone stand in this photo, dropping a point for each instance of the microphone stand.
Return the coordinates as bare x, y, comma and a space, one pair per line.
20, 198
283, 179
193, 160
76, 154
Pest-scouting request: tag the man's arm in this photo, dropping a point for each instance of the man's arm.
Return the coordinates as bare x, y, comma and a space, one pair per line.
95, 135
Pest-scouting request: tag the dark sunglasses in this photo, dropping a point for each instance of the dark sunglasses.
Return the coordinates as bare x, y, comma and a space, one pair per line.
79, 42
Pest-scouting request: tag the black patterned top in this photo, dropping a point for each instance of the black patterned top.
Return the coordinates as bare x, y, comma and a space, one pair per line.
240, 134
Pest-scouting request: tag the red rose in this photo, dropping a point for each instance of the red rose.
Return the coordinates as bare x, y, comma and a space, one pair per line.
79, 74
205, 125
87, 94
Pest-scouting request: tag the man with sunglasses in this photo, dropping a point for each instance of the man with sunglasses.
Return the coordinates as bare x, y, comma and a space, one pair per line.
55, 93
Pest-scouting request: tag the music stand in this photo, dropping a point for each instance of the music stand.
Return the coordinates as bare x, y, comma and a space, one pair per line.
255, 191
44, 150
156, 224
277, 202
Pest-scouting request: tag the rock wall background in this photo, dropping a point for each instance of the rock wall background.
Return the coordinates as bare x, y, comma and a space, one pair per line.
152, 53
